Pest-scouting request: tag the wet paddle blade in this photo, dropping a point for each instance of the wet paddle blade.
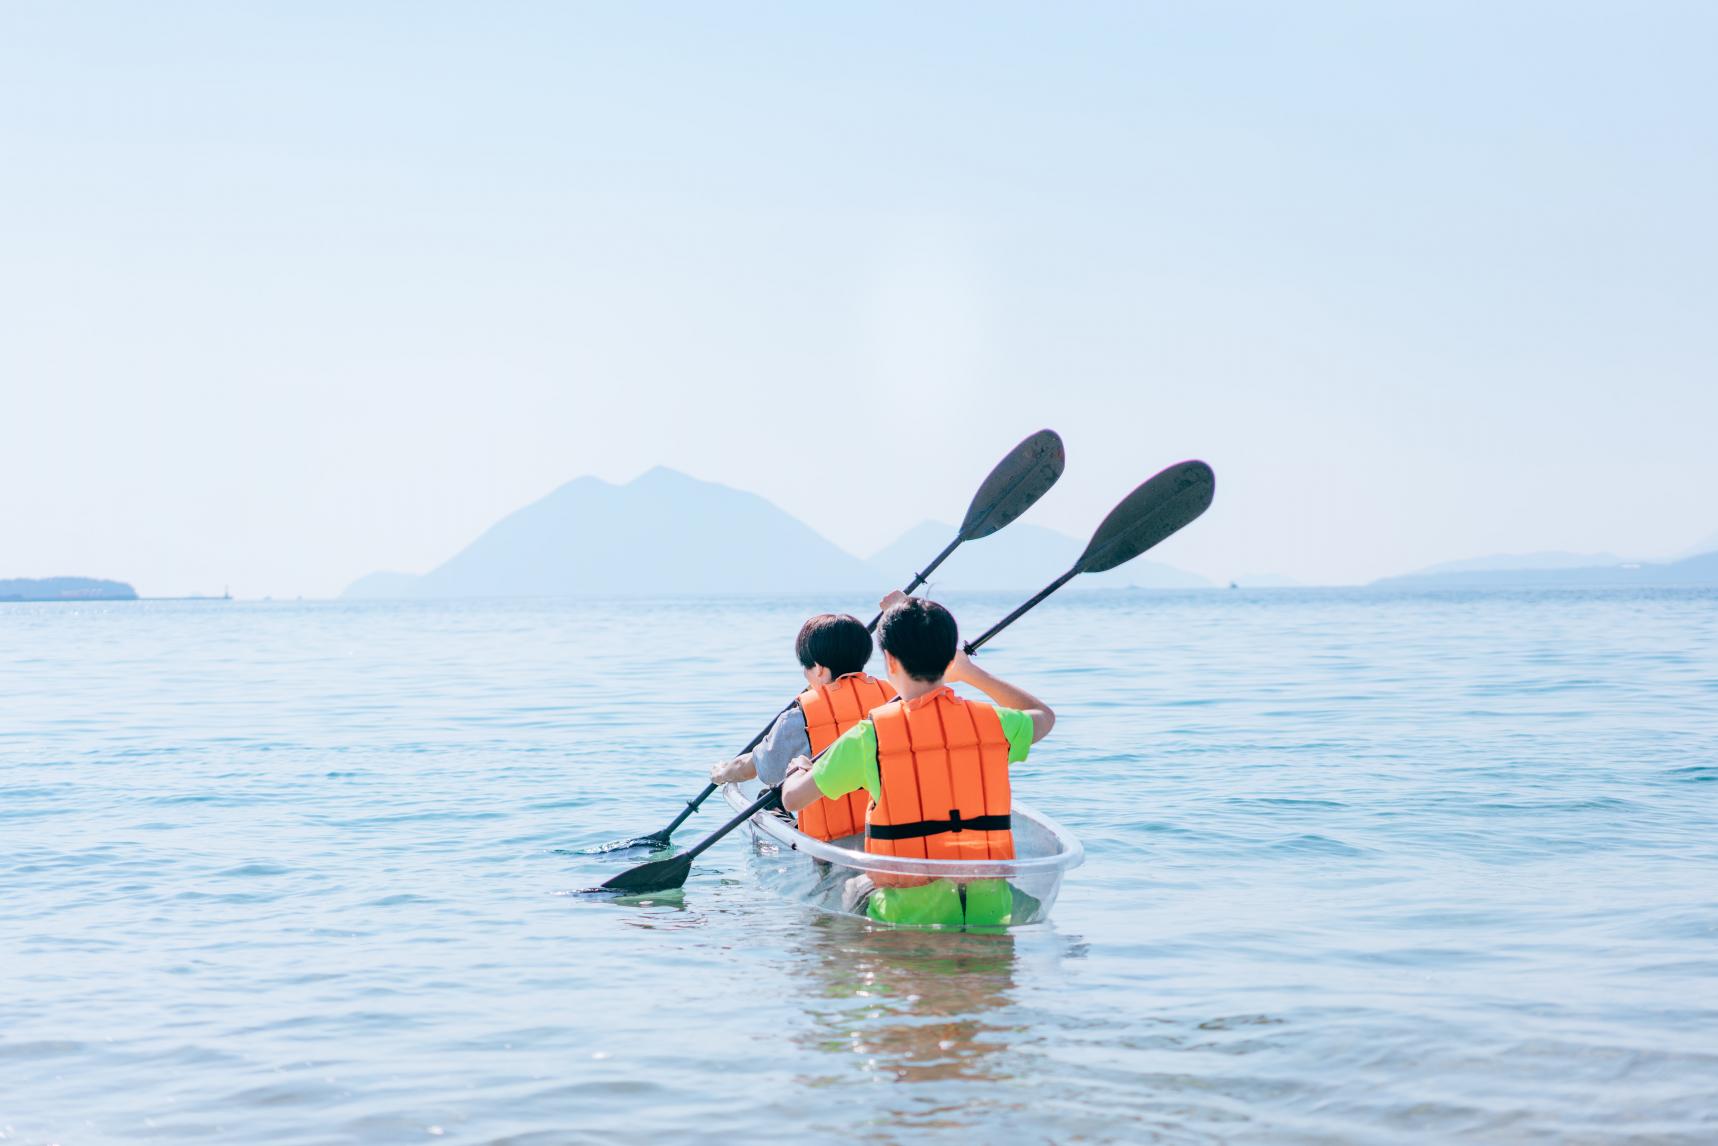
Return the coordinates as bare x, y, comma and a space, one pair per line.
1160, 506
654, 842
1017, 482
662, 875
658, 875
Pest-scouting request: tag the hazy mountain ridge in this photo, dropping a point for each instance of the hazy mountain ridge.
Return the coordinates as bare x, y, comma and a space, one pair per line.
1545, 559
660, 534
1690, 571
666, 533
1707, 544
1551, 559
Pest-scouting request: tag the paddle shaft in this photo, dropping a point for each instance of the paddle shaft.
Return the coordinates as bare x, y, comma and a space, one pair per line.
921, 578
709, 789
974, 645
771, 797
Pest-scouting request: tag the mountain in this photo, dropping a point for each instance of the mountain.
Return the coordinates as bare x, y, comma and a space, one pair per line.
65, 589
1023, 557
1549, 559
662, 533
1707, 544
1692, 571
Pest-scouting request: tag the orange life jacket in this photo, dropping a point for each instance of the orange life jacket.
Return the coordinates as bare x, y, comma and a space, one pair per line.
942, 766
830, 711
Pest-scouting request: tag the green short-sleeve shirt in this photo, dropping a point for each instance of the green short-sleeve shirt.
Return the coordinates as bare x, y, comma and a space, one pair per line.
850, 763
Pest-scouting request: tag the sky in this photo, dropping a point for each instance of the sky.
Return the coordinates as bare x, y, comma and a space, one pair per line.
292, 292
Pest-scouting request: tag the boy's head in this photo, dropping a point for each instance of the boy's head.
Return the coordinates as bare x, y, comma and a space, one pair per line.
920, 636
832, 643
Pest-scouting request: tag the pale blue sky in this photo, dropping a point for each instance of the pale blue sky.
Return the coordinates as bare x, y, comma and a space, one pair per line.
291, 292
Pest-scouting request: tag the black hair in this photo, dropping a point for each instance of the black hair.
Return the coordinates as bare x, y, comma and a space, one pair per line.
834, 640
921, 635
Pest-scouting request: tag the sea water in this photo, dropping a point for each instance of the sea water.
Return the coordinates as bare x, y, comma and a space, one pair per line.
1362, 868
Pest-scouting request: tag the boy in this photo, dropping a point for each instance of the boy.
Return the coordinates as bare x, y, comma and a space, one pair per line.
936, 769
832, 650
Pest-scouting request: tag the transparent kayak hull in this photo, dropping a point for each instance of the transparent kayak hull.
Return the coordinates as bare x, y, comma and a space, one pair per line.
836, 875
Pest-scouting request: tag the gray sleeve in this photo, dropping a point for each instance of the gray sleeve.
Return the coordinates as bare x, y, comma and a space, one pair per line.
786, 739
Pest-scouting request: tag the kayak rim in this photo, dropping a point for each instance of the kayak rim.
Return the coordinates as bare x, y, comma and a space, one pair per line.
1043, 846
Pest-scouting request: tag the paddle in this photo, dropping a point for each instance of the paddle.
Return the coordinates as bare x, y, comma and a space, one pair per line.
1157, 508
670, 873
1017, 482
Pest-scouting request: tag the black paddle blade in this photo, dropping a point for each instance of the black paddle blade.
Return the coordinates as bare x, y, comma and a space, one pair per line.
658, 875
1159, 507
1017, 482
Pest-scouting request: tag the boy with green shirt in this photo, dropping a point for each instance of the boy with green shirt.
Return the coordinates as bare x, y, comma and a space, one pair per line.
922, 657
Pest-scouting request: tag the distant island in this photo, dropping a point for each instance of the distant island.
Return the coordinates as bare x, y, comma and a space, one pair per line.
65, 589
1558, 571
665, 533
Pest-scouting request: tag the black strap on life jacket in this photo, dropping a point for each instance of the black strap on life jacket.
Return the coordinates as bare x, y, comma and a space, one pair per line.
921, 828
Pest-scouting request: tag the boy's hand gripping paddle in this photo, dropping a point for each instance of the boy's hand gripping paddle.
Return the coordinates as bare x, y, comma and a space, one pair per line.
1152, 512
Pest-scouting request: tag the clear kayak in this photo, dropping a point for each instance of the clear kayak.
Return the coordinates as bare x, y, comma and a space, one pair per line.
836, 875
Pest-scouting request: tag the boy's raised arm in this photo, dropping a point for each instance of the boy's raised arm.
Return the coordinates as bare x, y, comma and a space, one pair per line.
1007, 695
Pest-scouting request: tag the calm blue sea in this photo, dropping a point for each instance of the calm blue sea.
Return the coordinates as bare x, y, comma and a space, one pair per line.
1362, 868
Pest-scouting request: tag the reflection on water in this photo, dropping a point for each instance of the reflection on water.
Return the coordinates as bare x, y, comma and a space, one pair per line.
908, 1006
673, 899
